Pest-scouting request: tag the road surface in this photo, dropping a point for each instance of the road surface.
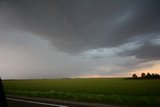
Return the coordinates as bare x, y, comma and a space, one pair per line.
21, 102
12, 102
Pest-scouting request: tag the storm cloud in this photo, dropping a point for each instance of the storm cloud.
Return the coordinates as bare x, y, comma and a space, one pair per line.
76, 26
105, 31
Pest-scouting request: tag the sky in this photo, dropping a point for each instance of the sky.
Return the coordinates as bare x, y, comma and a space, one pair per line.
78, 38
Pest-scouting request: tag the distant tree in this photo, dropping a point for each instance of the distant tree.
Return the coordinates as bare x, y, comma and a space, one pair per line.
134, 76
155, 76
143, 75
148, 76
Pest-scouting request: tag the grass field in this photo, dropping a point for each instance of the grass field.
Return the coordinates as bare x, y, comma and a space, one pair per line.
100, 90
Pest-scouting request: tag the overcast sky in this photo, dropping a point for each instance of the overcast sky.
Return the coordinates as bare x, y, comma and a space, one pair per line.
78, 38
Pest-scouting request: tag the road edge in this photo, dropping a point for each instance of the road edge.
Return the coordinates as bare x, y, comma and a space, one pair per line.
62, 102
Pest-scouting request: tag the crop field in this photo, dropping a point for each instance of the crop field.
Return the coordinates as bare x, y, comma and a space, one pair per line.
99, 90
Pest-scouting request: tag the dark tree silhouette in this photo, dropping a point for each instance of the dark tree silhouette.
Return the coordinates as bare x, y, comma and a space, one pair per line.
135, 76
143, 75
146, 76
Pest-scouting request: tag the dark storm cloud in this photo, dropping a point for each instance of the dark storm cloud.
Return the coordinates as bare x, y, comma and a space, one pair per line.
75, 26
147, 51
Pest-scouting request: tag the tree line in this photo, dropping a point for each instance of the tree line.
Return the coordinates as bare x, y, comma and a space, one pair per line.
146, 76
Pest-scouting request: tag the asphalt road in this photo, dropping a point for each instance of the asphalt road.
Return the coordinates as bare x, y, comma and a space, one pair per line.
18, 102
24, 103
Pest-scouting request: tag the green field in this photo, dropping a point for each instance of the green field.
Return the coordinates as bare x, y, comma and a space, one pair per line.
100, 90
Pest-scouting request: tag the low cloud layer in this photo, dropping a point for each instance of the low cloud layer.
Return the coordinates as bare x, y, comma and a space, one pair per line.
116, 35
